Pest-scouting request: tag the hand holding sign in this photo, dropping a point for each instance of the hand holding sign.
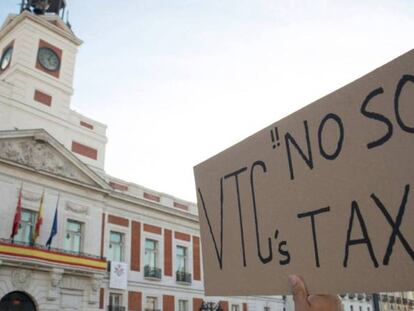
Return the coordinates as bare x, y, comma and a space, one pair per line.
305, 302
327, 193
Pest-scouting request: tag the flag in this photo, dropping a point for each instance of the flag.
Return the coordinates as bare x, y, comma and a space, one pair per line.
53, 231
39, 220
17, 215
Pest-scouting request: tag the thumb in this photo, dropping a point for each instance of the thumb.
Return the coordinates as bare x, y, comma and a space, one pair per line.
299, 292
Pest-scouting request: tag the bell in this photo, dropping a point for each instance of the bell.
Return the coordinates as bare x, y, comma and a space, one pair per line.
40, 6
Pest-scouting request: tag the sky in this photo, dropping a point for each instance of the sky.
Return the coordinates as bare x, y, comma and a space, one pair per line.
178, 81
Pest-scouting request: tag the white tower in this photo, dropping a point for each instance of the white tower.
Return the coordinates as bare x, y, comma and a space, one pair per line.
38, 55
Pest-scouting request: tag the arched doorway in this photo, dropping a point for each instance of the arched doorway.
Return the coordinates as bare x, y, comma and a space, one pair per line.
17, 301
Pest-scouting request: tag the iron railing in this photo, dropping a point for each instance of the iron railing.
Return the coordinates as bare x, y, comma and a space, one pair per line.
210, 306
152, 272
182, 276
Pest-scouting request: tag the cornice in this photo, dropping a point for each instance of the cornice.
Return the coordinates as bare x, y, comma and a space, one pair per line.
157, 207
8, 26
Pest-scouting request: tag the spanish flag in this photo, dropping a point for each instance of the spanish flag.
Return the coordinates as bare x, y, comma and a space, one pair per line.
39, 220
17, 215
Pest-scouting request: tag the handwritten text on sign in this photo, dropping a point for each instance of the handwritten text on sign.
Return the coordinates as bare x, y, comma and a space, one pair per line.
325, 193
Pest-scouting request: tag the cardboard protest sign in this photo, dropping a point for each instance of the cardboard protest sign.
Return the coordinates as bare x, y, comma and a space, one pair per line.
326, 193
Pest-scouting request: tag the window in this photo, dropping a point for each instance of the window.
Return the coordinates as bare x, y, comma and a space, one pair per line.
151, 253
181, 260
351, 308
151, 304
360, 308
115, 300
182, 305
151, 269
181, 263
266, 308
116, 246
27, 223
235, 308
73, 238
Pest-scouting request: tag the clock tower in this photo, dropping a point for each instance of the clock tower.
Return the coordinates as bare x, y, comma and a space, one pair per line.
37, 60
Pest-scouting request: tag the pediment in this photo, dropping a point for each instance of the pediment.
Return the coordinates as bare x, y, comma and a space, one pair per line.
39, 151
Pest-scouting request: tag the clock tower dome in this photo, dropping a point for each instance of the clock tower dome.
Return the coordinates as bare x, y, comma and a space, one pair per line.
37, 60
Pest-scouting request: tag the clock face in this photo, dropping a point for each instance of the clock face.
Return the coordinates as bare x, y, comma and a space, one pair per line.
48, 59
6, 58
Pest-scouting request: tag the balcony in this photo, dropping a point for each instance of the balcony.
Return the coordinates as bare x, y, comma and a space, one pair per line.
116, 308
42, 255
152, 273
183, 277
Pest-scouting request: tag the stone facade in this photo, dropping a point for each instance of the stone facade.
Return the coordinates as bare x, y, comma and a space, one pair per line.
402, 301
